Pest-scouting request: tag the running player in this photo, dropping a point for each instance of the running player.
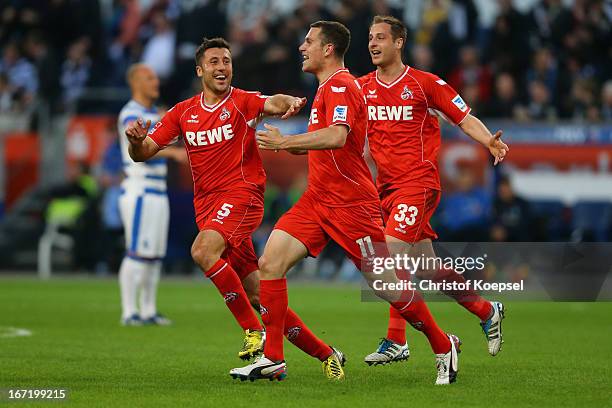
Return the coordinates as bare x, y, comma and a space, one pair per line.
340, 203
404, 138
143, 197
218, 128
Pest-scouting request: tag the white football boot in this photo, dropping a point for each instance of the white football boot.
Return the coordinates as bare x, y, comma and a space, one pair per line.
492, 328
448, 364
262, 368
388, 352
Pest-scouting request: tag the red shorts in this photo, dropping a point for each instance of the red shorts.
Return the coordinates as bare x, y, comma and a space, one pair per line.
357, 229
235, 215
242, 258
408, 211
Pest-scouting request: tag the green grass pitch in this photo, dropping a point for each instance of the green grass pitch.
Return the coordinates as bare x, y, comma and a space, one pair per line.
555, 354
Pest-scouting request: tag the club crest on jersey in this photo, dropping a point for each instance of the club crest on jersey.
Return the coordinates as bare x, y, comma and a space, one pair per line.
225, 114
194, 119
406, 93
340, 112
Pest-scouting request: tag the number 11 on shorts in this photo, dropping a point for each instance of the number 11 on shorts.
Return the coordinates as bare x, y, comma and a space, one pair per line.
366, 247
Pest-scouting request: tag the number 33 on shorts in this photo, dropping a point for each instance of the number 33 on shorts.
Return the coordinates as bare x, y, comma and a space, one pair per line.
406, 215
225, 210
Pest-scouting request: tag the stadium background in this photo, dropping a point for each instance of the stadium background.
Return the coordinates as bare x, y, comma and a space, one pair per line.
540, 70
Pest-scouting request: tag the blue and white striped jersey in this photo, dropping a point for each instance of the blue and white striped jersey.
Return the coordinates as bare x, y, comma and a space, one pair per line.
149, 175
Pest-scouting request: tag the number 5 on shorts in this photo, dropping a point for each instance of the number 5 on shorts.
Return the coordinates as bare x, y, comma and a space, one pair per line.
224, 211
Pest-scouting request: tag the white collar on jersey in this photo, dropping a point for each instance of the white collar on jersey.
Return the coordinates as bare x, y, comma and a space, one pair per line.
382, 83
212, 108
332, 75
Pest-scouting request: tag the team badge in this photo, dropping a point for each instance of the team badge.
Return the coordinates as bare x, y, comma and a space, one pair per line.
460, 103
340, 113
406, 93
293, 332
229, 297
418, 325
224, 114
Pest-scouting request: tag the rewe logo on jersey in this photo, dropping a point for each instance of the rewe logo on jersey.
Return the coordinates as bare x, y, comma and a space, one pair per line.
403, 112
314, 117
225, 114
211, 136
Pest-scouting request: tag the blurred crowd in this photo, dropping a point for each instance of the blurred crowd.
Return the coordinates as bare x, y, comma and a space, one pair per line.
550, 61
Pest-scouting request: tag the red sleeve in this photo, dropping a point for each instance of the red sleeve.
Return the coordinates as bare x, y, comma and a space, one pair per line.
251, 104
443, 98
168, 128
362, 80
341, 103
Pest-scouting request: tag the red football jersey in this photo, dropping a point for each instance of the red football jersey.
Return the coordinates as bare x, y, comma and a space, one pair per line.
340, 177
220, 141
403, 130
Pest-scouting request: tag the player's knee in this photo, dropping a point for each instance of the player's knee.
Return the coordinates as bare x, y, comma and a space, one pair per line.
205, 259
270, 268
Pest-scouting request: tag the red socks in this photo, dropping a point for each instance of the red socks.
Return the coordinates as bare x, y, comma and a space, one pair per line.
396, 332
418, 315
469, 299
227, 282
301, 336
273, 299
280, 320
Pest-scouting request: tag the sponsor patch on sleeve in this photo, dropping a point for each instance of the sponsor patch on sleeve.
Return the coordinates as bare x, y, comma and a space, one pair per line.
458, 101
340, 113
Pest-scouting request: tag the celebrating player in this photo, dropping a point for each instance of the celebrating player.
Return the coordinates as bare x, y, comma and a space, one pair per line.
143, 198
340, 203
404, 139
218, 128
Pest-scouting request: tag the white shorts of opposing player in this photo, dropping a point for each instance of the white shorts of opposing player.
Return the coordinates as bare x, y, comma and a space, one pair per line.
145, 213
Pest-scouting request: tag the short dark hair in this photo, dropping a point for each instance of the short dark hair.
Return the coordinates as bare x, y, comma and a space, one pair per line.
335, 33
398, 29
217, 42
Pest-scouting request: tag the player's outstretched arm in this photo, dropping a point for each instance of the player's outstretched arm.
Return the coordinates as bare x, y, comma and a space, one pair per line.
178, 154
474, 128
332, 137
285, 105
141, 147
